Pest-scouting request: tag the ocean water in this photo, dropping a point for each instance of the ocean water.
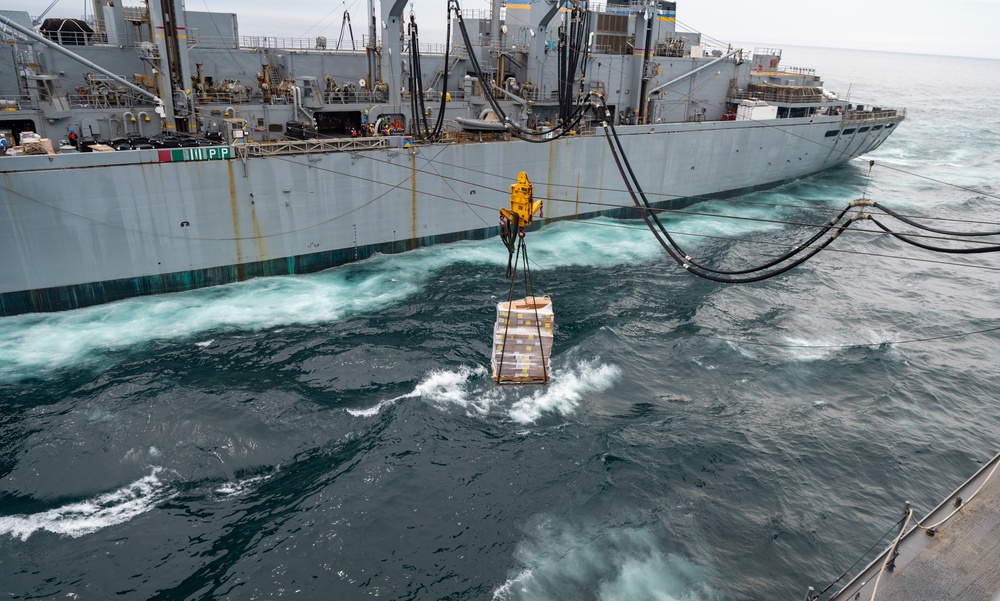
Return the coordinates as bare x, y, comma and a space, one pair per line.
337, 435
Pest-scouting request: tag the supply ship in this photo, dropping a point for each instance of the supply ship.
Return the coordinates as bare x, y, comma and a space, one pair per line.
154, 149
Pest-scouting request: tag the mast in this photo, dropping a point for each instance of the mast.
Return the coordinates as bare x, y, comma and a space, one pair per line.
392, 44
650, 13
547, 9
370, 46
173, 78
495, 39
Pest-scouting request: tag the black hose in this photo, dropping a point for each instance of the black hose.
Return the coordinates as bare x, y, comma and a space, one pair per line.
649, 207
908, 221
940, 249
414, 113
518, 130
418, 77
673, 249
436, 134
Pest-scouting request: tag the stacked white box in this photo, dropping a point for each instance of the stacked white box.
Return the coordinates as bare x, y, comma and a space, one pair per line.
522, 341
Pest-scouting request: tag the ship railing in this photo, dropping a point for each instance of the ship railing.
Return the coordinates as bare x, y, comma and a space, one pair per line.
103, 99
135, 14
582, 129
632, 7
76, 38
876, 114
286, 147
780, 96
213, 40
477, 13
767, 51
434, 96
461, 137
240, 97
639, 5
533, 94
513, 46
796, 70
123, 39
351, 97
281, 43
457, 49
432, 48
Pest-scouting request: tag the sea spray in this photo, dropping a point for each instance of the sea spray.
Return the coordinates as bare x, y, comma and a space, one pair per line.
559, 560
469, 388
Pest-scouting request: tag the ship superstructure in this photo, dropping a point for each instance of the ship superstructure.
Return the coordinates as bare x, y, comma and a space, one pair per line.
156, 149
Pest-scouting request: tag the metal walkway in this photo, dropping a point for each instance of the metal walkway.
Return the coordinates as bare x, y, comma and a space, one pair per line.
263, 149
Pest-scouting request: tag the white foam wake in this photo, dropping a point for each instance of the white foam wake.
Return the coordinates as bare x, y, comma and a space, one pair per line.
470, 388
31, 345
86, 517
239, 487
565, 391
440, 386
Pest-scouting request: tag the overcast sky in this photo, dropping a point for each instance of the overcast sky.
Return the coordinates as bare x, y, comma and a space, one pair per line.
950, 27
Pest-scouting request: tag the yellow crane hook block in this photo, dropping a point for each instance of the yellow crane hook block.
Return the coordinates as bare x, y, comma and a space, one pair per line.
522, 341
523, 205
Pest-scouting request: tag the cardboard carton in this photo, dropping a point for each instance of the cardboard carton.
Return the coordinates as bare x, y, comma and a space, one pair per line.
522, 341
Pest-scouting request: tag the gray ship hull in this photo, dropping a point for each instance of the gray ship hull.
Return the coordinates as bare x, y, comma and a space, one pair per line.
114, 225
297, 159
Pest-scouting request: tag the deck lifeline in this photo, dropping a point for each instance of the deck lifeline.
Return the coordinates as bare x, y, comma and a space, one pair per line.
961, 560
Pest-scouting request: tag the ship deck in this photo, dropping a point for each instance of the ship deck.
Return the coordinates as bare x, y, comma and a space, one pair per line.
958, 562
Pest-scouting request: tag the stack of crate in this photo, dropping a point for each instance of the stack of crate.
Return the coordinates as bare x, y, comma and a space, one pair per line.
522, 341
32, 143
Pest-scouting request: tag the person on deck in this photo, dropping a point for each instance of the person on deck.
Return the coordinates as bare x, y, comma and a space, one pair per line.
3, 145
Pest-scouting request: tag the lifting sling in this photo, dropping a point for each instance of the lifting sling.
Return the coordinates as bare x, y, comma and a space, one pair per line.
522, 335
